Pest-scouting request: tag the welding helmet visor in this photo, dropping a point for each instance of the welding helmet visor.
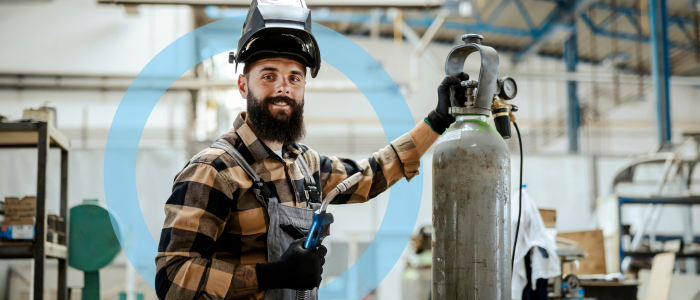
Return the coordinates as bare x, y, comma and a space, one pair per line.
278, 28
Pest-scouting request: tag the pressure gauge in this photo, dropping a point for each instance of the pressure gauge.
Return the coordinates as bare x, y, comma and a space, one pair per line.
507, 89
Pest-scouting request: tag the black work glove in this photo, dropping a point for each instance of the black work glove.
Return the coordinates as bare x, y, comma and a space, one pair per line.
440, 118
298, 268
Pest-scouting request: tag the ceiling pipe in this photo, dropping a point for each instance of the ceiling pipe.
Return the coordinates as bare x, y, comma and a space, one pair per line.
106, 82
414, 62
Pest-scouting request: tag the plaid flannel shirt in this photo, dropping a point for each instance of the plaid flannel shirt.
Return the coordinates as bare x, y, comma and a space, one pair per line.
215, 232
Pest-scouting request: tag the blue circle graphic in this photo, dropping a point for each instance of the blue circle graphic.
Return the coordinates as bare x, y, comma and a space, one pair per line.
184, 54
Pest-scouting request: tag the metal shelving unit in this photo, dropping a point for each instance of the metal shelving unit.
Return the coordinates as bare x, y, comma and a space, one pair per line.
690, 200
40, 135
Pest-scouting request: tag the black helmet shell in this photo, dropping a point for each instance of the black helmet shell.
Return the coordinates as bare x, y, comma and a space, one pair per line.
274, 17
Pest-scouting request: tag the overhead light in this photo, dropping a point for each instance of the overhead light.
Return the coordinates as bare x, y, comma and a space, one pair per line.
465, 9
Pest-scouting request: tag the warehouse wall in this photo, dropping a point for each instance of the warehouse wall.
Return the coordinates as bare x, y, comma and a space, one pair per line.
82, 37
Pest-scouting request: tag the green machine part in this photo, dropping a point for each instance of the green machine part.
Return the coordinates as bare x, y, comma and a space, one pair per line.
93, 244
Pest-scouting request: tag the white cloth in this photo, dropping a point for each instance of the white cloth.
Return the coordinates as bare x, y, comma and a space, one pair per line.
278, 152
532, 234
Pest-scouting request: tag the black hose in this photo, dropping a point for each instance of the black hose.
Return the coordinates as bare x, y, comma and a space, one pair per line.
520, 200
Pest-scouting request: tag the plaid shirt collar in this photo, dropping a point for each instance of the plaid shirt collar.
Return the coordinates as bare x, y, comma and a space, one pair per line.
257, 147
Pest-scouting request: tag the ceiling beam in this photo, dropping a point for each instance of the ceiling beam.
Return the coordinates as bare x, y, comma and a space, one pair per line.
558, 21
53, 81
309, 3
603, 31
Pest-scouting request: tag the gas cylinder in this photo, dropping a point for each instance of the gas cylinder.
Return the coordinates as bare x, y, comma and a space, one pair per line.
471, 213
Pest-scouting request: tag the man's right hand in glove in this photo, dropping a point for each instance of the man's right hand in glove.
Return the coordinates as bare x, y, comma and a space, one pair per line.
298, 268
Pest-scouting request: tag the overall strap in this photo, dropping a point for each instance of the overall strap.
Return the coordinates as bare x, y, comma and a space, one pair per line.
261, 191
309, 181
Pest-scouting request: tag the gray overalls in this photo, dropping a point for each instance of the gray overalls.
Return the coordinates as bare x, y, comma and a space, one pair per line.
287, 223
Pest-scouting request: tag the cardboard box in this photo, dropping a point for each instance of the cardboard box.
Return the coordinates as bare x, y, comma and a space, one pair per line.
593, 243
43, 114
549, 216
20, 212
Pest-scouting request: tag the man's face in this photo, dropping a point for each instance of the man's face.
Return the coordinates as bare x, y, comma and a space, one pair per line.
274, 89
279, 78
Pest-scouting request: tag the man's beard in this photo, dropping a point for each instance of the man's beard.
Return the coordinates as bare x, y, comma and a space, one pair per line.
282, 128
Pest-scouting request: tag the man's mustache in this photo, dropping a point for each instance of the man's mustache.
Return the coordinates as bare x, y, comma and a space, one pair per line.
286, 99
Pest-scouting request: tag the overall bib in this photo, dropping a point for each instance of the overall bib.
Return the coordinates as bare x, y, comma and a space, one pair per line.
287, 223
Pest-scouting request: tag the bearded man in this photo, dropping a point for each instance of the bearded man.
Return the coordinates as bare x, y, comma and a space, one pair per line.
239, 210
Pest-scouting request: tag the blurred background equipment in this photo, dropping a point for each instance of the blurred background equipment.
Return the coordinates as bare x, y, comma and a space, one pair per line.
569, 287
94, 244
418, 273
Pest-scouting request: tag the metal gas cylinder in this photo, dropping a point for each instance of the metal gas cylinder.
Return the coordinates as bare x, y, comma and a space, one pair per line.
471, 183
471, 213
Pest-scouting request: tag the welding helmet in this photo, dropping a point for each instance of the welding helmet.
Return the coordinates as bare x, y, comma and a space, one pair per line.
278, 28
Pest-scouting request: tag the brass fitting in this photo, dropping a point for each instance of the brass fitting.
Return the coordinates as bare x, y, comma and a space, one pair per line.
501, 108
